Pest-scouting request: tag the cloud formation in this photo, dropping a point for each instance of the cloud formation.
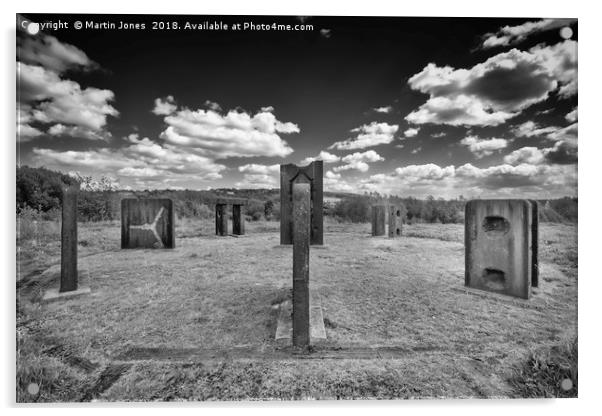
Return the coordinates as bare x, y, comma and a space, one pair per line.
325, 156
483, 147
368, 135
496, 90
48, 99
143, 160
234, 134
359, 161
411, 132
259, 176
48, 52
509, 35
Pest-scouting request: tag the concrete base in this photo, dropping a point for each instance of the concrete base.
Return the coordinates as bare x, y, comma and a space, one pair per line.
53, 294
322, 247
317, 331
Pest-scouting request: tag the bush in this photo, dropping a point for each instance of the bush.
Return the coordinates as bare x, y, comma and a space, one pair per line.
355, 209
255, 210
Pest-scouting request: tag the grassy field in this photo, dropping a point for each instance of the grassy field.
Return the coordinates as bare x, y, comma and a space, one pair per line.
198, 322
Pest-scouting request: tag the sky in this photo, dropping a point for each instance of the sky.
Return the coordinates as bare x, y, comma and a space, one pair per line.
449, 107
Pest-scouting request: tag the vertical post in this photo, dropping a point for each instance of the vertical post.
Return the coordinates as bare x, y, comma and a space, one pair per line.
301, 236
238, 220
221, 220
395, 221
534, 243
69, 240
317, 203
378, 220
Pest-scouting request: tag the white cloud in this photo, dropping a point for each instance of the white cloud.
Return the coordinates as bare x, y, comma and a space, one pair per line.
324, 156
483, 147
331, 175
212, 105
50, 99
529, 155
368, 135
385, 110
142, 159
532, 129
164, 107
235, 134
260, 169
268, 109
359, 161
572, 116
411, 132
512, 34
78, 132
49, 52
428, 172
496, 90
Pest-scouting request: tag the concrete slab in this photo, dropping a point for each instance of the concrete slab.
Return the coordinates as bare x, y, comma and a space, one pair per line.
317, 331
53, 294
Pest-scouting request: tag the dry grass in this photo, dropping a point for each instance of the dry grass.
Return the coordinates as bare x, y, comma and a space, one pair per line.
217, 293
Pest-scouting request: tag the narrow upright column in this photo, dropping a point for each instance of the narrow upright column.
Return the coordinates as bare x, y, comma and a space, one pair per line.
69, 240
534, 243
238, 220
395, 221
378, 220
301, 236
221, 219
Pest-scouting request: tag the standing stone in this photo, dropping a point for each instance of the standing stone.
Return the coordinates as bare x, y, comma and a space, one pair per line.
498, 246
301, 192
69, 240
395, 221
221, 220
378, 220
147, 223
238, 220
534, 243
314, 176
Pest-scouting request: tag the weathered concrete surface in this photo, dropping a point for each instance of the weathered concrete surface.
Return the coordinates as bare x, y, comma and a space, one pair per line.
317, 330
498, 246
395, 221
147, 223
314, 173
238, 220
221, 220
69, 240
301, 232
534, 243
54, 294
378, 220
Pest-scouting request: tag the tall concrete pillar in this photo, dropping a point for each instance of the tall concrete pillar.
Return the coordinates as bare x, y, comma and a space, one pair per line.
238, 220
221, 219
534, 243
378, 220
395, 221
301, 193
69, 240
314, 175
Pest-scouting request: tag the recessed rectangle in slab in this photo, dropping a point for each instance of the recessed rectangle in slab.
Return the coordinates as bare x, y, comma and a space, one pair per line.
498, 237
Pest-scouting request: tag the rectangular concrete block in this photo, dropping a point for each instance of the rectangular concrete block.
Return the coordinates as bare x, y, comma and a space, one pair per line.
301, 238
238, 220
221, 220
69, 240
378, 220
395, 221
314, 174
147, 223
498, 248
